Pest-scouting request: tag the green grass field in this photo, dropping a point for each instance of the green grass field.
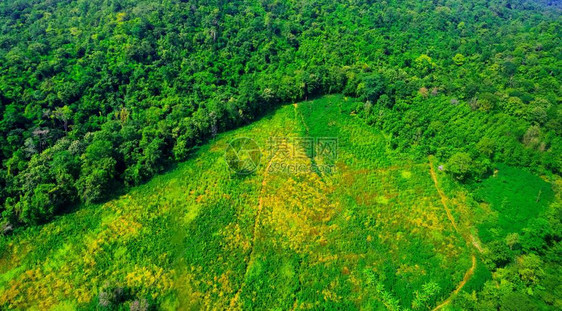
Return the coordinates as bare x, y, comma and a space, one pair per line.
515, 197
370, 234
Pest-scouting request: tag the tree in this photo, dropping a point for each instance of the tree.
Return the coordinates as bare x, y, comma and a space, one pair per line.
530, 268
500, 254
534, 237
516, 301
63, 114
372, 87
513, 106
424, 64
96, 179
486, 146
37, 206
512, 239
459, 59
65, 169
532, 136
509, 68
423, 298
460, 165
385, 101
97, 172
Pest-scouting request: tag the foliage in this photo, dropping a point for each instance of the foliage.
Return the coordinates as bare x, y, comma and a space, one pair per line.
140, 84
370, 234
104, 94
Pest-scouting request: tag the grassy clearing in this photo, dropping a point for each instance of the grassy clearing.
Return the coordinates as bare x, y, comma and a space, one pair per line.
183, 235
370, 235
394, 233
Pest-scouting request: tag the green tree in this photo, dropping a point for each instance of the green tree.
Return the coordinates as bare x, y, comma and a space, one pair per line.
459, 59
460, 165
64, 115
98, 171
372, 87
424, 64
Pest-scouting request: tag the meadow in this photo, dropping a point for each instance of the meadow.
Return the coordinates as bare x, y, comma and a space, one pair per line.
382, 230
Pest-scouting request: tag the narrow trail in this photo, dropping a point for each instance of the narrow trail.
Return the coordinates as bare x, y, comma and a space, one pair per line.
442, 196
254, 234
302, 118
465, 279
295, 301
470, 240
234, 300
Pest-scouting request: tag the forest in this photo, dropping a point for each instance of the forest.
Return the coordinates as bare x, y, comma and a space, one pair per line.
101, 97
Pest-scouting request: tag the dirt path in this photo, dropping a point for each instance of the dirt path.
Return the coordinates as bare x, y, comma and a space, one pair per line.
470, 240
465, 279
442, 196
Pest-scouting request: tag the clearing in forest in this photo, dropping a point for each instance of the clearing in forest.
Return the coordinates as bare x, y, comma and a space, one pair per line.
370, 233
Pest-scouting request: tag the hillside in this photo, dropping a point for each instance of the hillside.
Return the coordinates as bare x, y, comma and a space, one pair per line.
279, 154
102, 95
386, 231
